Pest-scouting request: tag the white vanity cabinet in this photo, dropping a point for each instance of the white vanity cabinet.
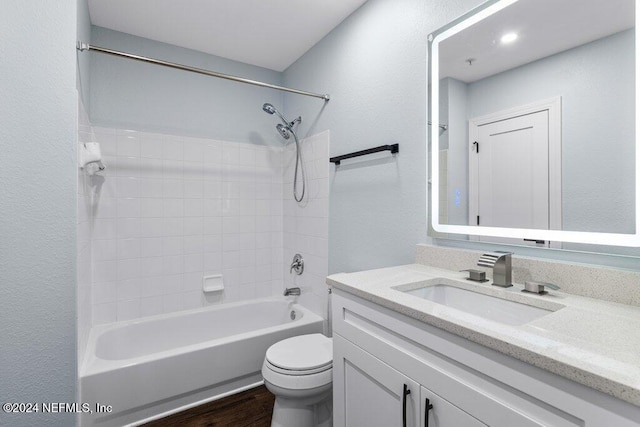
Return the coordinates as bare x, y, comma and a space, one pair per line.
380, 353
375, 394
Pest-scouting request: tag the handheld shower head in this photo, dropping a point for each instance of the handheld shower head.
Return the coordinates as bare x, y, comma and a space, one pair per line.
268, 108
285, 129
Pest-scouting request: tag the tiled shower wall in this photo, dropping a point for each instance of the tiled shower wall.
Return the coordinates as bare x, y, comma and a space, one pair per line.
306, 223
83, 254
171, 209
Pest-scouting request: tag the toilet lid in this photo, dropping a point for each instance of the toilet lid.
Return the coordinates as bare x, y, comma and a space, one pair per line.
302, 353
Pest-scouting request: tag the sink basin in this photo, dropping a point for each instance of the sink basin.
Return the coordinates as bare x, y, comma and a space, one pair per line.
485, 306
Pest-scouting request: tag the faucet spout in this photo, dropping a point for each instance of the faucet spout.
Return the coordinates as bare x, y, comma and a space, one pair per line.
501, 264
292, 291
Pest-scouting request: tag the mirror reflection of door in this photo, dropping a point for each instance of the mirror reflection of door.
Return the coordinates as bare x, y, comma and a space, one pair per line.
510, 184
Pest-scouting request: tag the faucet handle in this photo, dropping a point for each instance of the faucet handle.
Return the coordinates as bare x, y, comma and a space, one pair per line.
476, 275
489, 259
538, 287
297, 265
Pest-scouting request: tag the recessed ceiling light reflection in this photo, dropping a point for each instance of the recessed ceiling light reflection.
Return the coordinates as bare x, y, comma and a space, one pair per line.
508, 38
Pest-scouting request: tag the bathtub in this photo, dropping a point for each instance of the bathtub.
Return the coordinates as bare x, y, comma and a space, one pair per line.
149, 368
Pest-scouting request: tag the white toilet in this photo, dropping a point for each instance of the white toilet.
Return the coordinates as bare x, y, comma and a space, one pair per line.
299, 372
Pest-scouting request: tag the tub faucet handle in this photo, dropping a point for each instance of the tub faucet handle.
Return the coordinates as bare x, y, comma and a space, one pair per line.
297, 265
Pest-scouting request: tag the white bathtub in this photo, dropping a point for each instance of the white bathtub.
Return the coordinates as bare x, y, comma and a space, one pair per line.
148, 368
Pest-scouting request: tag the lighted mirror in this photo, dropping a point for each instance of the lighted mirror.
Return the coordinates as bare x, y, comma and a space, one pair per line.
533, 123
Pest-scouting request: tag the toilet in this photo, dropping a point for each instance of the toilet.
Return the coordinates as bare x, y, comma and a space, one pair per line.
299, 372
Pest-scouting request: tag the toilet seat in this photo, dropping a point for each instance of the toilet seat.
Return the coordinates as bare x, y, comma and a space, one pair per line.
301, 355
282, 371
301, 363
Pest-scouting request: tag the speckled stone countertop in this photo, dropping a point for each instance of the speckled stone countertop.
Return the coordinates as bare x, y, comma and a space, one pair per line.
589, 341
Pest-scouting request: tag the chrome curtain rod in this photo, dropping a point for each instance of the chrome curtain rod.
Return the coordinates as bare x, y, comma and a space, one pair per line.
86, 46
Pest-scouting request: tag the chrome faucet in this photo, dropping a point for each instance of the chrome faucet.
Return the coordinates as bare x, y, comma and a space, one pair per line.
291, 291
297, 265
501, 264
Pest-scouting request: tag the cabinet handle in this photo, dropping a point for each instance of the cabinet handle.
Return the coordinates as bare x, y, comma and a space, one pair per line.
405, 393
427, 407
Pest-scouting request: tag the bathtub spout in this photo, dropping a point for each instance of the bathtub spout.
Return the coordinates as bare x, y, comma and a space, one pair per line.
291, 291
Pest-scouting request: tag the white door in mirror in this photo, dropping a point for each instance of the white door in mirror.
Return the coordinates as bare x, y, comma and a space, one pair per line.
509, 174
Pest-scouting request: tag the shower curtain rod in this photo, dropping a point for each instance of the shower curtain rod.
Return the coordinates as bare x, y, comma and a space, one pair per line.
86, 46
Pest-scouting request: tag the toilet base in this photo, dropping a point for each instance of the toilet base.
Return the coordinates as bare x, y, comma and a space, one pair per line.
312, 410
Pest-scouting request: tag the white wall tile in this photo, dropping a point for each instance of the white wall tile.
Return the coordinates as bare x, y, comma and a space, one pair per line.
128, 248
193, 151
193, 226
305, 225
128, 146
172, 149
172, 246
193, 189
128, 289
151, 208
172, 209
193, 263
104, 313
151, 306
151, 168
104, 293
128, 208
150, 247
87, 190
150, 148
127, 310
104, 250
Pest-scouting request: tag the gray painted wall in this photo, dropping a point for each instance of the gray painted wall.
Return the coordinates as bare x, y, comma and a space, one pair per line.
596, 82
37, 207
134, 95
84, 35
374, 65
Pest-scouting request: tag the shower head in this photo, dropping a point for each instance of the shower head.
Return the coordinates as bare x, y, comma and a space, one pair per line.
284, 131
268, 108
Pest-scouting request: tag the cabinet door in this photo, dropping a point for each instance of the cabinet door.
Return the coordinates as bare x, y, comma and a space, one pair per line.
368, 392
437, 412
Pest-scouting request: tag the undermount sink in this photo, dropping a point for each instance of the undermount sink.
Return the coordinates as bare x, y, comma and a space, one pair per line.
485, 306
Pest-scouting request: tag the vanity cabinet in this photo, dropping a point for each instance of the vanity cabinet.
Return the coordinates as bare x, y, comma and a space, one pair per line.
375, 394
379, 354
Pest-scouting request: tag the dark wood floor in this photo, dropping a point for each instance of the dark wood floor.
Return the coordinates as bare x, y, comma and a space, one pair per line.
251, 408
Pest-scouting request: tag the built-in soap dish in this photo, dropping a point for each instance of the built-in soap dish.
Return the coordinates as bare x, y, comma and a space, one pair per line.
213, 283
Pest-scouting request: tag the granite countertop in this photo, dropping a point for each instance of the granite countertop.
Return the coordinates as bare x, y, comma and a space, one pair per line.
589, 341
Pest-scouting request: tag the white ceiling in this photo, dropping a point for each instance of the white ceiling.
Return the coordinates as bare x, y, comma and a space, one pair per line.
544, 27
267, 33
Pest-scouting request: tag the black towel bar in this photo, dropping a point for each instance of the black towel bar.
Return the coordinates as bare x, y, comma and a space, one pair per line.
394, 148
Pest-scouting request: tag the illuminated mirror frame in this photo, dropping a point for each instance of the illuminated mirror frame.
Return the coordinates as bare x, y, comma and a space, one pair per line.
613, 239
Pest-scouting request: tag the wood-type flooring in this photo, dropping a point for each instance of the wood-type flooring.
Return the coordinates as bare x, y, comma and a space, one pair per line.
251, 408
